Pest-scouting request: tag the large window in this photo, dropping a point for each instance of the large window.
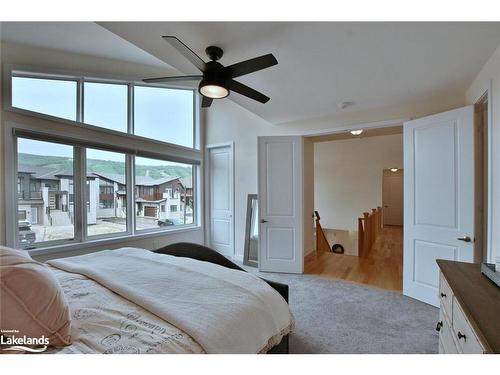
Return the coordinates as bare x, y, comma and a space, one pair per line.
48, 96
154, 182
50, 167
73, 186
159, 113
47, 199
164, 114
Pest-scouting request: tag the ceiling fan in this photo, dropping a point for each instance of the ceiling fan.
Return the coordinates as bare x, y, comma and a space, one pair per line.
216, 80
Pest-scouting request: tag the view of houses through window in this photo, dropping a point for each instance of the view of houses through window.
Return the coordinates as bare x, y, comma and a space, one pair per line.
44, 175
163, 193
46, 198
107, 190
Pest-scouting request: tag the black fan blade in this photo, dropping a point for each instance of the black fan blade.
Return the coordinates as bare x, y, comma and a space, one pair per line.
186, 52
242, 89
172, 79
206, 102
250, 66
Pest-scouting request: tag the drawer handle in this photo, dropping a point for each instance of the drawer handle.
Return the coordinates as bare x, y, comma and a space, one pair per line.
461, 336
443, 295
439, 325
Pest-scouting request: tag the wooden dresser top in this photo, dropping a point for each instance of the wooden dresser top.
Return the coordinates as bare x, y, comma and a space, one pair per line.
478, 297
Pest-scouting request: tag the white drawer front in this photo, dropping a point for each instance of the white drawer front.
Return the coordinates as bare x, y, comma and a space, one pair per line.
446, 296
446, 342
467, 340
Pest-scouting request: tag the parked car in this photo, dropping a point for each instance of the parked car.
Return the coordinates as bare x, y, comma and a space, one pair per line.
169, 222
165, 223
26, 236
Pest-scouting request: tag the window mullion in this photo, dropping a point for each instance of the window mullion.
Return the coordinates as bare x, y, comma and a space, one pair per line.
79, 101
130, 188
130, 109
79, 200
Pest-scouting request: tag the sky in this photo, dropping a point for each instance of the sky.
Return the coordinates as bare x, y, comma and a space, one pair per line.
160, 114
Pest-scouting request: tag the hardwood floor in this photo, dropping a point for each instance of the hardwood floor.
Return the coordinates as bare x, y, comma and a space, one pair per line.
382, 267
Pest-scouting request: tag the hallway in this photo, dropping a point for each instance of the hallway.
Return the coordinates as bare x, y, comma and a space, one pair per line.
382, 267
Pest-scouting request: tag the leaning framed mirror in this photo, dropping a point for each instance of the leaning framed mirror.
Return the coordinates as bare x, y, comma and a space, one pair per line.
251, 253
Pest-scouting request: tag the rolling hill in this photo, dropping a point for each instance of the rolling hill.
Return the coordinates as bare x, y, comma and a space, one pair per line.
104, 166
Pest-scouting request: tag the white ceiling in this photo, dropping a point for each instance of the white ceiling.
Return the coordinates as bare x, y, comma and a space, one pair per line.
79, 37
320, 64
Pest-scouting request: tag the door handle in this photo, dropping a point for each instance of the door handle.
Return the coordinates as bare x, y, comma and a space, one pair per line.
464, 238
263, 221
439, 325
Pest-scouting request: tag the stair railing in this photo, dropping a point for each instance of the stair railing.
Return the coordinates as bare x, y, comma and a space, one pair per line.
321, 241
369, 228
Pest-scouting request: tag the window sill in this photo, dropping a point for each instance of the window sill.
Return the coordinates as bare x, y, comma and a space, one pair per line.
109, 241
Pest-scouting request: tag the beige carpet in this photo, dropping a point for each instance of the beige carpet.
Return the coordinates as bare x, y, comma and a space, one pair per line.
341, 317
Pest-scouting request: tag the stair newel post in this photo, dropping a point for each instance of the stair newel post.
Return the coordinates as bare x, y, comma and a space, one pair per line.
366, 232
361, 236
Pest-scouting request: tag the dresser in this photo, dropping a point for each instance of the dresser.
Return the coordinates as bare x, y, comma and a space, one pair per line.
469, 314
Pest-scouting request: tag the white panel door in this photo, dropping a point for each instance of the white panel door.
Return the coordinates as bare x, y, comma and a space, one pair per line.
220, 176
280, 194
439, 198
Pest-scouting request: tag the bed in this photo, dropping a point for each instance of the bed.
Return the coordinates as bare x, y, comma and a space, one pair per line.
109, 318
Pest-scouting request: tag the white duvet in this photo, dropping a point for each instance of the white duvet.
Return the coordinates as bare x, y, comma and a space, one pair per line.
222, 310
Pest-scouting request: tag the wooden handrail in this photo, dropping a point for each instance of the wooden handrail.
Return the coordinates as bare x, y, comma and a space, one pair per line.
321, 241
369, 228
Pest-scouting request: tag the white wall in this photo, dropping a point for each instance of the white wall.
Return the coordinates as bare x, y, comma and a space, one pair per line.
490, 75
59, 60
348, 177
227, 121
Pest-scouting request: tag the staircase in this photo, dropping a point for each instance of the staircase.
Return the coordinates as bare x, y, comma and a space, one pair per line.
52, 201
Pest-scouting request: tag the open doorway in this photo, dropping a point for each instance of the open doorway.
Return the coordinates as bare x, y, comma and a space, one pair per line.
358, 193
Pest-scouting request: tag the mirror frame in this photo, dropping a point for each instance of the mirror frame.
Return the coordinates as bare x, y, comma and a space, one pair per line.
246, 261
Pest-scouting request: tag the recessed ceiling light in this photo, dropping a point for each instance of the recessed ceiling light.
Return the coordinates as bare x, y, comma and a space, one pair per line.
356, 132
394, 169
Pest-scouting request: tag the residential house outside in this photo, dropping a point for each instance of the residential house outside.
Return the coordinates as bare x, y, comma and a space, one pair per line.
187, 182
156, 199
46, 202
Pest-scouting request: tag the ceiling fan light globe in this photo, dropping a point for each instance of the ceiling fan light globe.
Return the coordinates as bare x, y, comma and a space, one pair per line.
214, 91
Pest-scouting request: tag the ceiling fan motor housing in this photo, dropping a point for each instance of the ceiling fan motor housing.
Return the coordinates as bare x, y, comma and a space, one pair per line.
214, 53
